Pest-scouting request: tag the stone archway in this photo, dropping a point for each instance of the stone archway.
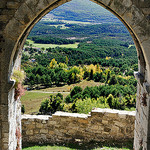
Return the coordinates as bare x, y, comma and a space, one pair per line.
17, 18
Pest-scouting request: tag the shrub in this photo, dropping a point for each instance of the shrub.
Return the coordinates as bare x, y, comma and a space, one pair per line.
68, 99
59, 95
50, 106
86, 105
113, 80
19, 77
23, 109
45, 106
67, 107
75, 90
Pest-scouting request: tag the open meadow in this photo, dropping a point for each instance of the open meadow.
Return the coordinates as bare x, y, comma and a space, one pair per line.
32, 99
75, 45
65, 148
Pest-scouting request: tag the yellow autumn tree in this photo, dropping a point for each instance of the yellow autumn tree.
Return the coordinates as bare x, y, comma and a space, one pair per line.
92, 67
98, 69
53, 63
62, 65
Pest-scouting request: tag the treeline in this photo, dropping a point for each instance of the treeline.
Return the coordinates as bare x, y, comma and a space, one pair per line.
59, 74
75, 30
83, 101
119, 53
50, 40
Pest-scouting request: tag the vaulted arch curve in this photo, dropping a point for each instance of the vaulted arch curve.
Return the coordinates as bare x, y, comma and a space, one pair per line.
20, 18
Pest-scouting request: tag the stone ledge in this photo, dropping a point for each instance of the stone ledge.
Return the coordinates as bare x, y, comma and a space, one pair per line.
40, 117
113, 111
77, 115
65, 114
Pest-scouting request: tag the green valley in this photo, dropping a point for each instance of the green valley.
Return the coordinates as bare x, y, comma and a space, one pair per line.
62, 52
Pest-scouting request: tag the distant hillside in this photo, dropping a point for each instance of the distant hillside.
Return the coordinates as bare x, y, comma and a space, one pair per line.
83, 10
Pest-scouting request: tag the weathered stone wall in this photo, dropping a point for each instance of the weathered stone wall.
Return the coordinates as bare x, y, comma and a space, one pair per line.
101, 125
17, 18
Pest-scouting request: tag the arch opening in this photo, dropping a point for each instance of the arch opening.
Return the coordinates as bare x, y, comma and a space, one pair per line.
27, 31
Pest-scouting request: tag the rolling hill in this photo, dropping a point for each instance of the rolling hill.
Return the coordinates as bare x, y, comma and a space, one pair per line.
83, 10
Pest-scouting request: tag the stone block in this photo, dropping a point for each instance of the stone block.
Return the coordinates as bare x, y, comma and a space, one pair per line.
120, 6
5, 135
114, 130
142, 3
122, 116
41, 5
111, 115
5, 140
44, 121
141, 33
133, 16
5, 146
52, 123
51, 132
71, 132
13, 5
107, 129
39, 125
4, 113
63, 130
0, 132
5, 127
146, 47
32, 4
102, 2
83, 121
4, 100
29, 132
53, 1
105, 122
13, 29
36, 131
146, 11
94, 127
45, 131
3, 4
4, 18
24, 14
31, 126
120, 124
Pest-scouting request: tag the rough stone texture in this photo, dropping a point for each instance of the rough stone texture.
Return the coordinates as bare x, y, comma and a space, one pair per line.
100, 125
17, 18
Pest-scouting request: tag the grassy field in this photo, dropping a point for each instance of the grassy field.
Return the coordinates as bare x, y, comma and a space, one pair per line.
62, 26
68, 88
76, 22
66, 148
32, 99
75, 45
67, 21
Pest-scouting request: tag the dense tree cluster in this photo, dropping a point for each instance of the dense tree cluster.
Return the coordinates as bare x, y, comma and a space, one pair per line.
59, 74
117, 52
50, 40
51, 105
82, 101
